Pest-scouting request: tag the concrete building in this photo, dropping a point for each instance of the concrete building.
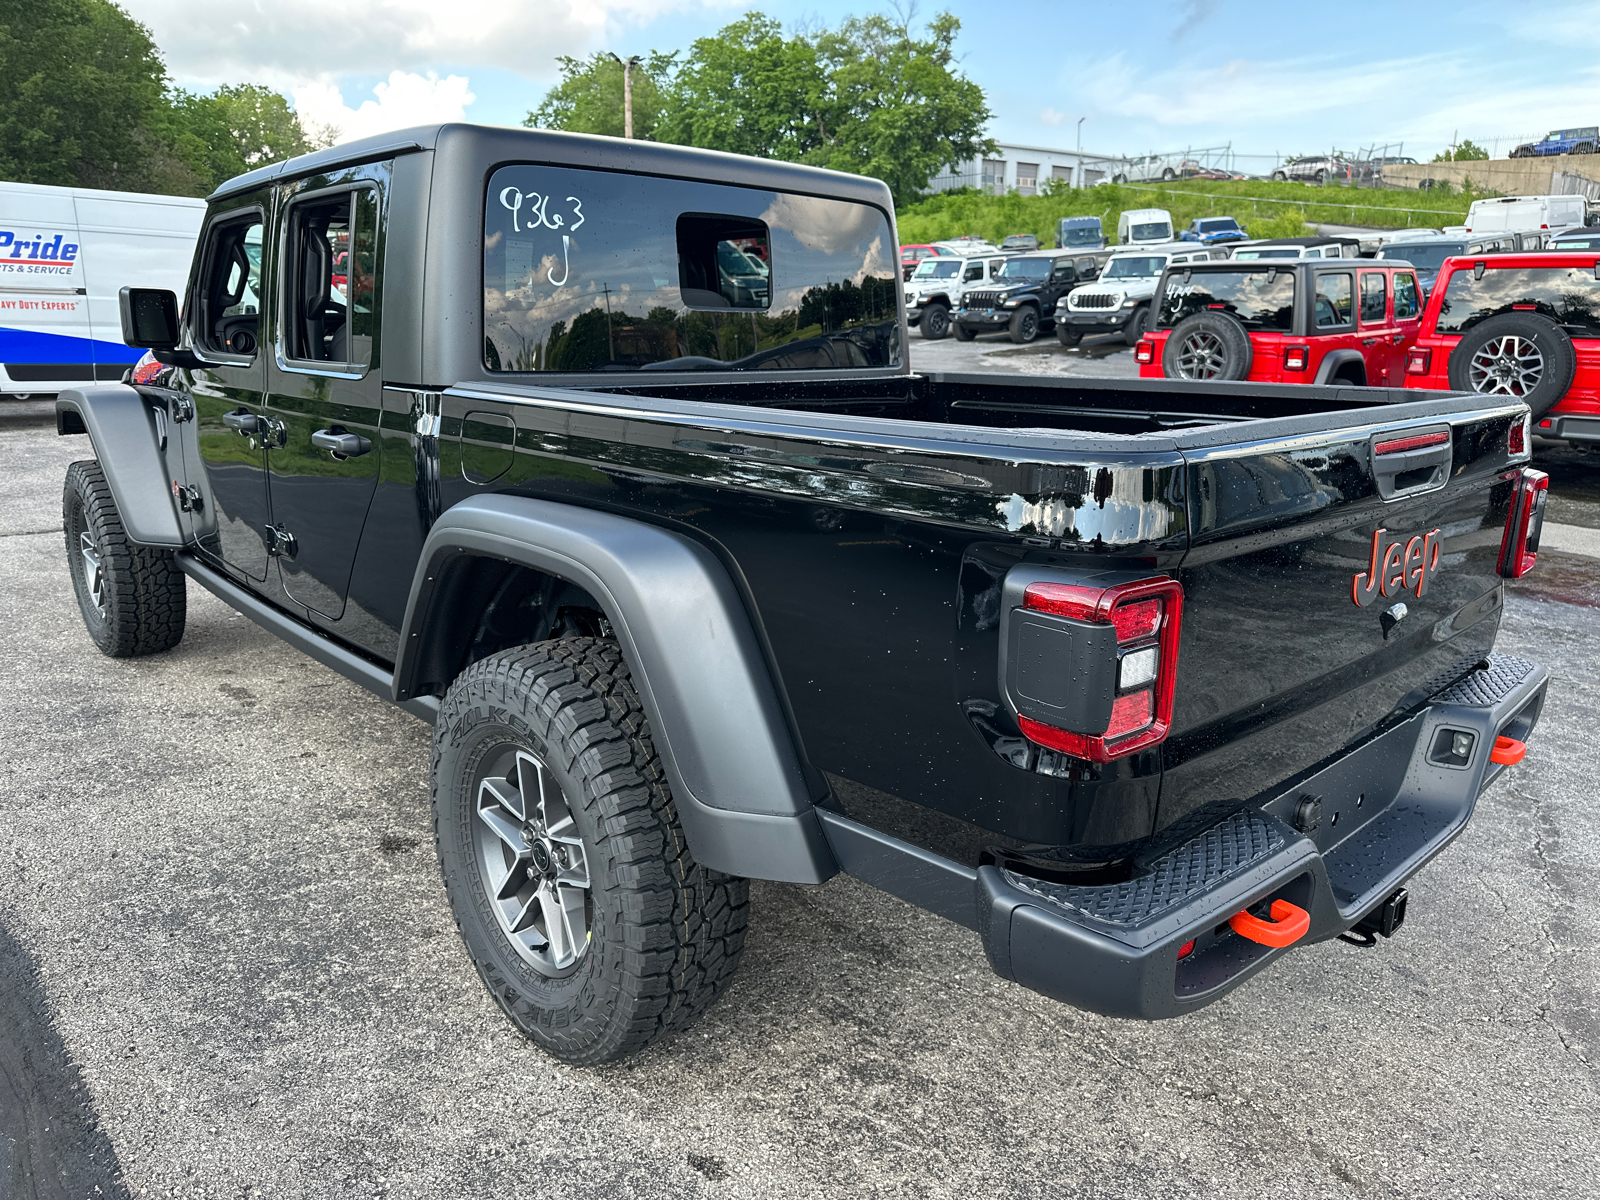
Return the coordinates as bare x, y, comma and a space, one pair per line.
1025, 169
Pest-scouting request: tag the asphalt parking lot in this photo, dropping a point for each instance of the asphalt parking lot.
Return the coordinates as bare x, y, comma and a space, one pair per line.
1105, 356
227, 969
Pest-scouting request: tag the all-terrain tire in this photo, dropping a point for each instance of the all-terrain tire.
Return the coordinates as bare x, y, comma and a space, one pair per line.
964, 333
664, 933
1207, 345
1138, 322
1024, 325
1066, 335
133, 598
935, 323
1520, 338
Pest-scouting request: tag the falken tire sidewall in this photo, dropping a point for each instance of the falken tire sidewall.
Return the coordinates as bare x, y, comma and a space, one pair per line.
1561, 360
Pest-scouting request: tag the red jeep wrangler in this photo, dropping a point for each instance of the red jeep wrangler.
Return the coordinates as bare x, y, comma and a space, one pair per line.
1335, 320
1520, 325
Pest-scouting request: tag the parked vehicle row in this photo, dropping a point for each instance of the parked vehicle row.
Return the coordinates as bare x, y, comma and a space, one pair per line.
1119, 301
1023, 295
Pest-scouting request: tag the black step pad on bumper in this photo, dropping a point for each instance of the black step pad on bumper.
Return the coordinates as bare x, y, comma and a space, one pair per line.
1389, 806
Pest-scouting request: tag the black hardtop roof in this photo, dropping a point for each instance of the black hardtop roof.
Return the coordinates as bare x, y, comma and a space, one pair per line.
498, 143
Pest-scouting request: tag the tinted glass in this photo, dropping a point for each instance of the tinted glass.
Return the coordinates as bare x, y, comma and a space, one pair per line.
1570, 295
1218, 224
1261, 299
1143, 233
937, 269
1577, 243
1332, 302
1374, 296
1025, 268
1080, 237
584, 271
1428, 256
1407, 300
1280, 252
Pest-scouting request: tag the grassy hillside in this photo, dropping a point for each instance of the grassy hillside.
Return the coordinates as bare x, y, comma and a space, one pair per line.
1278, 210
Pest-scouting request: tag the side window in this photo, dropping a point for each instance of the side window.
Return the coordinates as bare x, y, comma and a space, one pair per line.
330, 280
722, 262
973, 274
994, 267
229, 299
1063, 273
1374, 297
1332, 304
1407, 303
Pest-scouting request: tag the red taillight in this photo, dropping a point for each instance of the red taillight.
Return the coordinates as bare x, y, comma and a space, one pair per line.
1419, 360
1147, 616
1519, 545
1517, 436
1144, 353
1296, 358
1416, 441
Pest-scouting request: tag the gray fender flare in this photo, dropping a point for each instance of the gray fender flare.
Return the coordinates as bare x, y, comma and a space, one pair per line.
123, 431
713, 708
1341, 358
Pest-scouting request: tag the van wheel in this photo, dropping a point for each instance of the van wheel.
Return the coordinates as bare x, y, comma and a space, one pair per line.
1134, 330
963, 333
563, 859
1207, 345
935, 323
1521, 356
132, 598
1025, 324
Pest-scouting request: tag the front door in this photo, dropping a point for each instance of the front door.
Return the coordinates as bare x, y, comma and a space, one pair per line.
324, 390
231, 427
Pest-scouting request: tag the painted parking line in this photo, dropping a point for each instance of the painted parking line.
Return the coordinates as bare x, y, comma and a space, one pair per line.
1570, 539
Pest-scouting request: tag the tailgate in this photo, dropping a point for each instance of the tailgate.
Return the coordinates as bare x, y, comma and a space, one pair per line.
1288, 653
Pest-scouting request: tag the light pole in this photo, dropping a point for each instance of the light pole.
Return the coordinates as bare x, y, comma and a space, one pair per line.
627, 91
1079, 174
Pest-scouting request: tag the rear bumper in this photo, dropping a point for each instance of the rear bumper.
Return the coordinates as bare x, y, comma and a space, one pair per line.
1387, 808
1570, 429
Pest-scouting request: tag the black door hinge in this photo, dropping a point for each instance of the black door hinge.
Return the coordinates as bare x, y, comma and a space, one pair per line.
181, 409
189, 498
280, 542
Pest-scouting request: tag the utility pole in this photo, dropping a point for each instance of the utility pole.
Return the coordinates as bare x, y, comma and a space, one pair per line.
627, 91
1079, 175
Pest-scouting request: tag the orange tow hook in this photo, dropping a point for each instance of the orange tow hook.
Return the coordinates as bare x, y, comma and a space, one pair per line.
1288, 925
1508, 752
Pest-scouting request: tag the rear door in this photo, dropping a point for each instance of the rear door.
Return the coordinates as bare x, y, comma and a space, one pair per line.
1289, 653
1373, 306
325, 393
1406, 305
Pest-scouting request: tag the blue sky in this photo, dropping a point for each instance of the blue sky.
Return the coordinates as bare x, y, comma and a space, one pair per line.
1152, 76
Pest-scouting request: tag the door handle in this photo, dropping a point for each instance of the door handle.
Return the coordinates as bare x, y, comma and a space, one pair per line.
242, 421
1397, 339
1368, 341
340, 442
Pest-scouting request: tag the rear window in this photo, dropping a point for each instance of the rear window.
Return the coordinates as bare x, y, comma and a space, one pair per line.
1261, 299
595, 271
1570, 295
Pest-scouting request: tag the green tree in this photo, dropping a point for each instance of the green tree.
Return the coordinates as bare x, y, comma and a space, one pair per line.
589, 97
232, 130
1465, 152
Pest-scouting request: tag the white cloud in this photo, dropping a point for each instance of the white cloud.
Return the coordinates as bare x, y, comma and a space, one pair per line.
289, 42
1051, 117
403, 99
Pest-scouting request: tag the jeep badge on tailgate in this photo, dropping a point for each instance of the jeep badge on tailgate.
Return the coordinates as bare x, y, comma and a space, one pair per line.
1394, 570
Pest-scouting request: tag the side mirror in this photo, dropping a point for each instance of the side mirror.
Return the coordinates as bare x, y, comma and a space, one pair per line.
149, 318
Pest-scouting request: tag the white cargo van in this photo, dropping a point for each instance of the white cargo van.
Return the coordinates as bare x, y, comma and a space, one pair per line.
1144, 227
64, 255
1525, 214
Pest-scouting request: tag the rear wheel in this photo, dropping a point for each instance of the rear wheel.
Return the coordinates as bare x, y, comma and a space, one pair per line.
132, 597
935, 323
563, 859
1025, 324
1520, 356
964, 333
1207, 346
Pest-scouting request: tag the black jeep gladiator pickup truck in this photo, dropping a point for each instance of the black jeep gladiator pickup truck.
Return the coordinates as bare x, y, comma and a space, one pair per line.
605, 458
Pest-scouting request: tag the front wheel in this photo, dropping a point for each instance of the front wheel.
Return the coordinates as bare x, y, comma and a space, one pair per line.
1067, 336
1133, 331
935, 323
1024, 324
132, 598
964, 333
563, 859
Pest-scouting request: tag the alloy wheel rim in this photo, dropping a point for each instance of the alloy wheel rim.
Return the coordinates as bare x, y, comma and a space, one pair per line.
94, 578
1200, 356
1506, 366
533, 865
